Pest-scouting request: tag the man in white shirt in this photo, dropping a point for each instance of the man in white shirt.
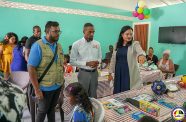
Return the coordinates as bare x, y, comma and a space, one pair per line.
86, 54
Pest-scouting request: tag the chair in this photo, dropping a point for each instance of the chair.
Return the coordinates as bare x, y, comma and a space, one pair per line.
176, 67
99, 111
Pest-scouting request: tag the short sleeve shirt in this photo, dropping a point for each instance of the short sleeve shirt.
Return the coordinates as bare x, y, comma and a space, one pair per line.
31, 41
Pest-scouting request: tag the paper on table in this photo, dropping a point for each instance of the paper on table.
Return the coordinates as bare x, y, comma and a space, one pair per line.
115, 102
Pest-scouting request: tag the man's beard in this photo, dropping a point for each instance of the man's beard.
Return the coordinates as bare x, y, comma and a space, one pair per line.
90, 39
53, 39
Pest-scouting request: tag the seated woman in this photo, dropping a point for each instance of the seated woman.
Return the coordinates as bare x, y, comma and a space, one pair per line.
67, 67
83, 110
166, 65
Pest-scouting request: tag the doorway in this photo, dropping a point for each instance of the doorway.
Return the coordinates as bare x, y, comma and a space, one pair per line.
142, 34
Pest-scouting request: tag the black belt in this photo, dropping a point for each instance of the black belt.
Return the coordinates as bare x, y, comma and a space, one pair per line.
88, 70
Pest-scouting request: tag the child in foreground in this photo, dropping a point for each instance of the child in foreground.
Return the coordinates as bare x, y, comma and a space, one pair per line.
83, 110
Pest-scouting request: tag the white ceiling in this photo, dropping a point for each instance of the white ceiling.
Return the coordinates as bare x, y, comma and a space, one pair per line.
128, 4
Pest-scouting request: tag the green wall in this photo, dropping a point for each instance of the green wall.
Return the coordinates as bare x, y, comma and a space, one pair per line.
21, 22
168, 16
75, 5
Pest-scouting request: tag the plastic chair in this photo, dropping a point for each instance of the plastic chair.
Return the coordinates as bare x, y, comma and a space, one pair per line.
176, 67
99, 111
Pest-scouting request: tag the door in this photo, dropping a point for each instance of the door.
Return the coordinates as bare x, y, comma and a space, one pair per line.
141, 35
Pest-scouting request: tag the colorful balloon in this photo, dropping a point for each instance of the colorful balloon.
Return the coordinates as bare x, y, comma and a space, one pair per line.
146, 11
141, 16
135, 13
140, 10
141, 4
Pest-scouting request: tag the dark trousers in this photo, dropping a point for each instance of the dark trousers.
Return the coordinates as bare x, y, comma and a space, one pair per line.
47, 105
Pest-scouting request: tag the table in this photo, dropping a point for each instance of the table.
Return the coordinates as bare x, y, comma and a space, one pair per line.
146, 77
165, 113
104, 88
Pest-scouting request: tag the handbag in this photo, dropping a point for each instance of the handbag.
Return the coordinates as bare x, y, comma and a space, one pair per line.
30, 88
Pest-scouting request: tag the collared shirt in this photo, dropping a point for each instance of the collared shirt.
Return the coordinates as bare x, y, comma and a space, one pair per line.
83, 51
35, 58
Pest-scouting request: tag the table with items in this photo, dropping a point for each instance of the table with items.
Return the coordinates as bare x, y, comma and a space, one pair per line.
104, 86
164, 109
121, 108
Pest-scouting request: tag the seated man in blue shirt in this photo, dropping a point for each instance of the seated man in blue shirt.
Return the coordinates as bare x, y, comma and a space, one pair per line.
48, 89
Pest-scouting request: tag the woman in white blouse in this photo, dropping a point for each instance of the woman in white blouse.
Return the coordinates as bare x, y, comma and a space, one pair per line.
166, 65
